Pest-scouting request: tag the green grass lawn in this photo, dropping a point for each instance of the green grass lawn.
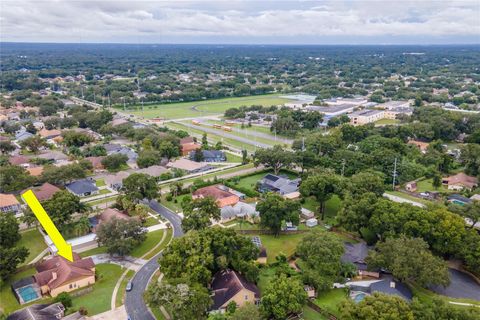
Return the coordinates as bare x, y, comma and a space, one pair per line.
203, 108
91, 252
330, 300
172, 205
33, 241
151, 221
162, 246
387, 121
104, 191
8, 303
285, 244
248, 134
153, 238
310, 314
212, 137
100, 201
426, 185
100, 182
99, 299
233, 157
121, 290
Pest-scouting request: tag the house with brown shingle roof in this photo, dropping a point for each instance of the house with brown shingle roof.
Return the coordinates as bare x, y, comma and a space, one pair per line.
45, 191
49, 134
57, 275
223, 197
8, 203
19, 160
460, 181
35, 171
229, 286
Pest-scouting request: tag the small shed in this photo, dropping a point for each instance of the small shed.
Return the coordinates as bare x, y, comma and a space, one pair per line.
311, 222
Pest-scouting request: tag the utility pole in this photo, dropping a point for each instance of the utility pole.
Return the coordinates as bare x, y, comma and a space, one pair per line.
343, 167
394, 173
303, 144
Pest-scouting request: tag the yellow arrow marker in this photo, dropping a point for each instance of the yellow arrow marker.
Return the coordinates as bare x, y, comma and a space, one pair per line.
64, 249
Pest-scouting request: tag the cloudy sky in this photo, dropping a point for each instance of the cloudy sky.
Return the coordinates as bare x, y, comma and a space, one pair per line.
242, 21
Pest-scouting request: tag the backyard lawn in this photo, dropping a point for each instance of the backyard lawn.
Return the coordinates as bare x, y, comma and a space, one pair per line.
285, 244
426, 185
310, 314
233, 157
153, 238
99, 299
330, 300
8, 303
33, 241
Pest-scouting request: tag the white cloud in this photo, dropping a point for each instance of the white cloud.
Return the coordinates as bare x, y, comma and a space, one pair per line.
217, 21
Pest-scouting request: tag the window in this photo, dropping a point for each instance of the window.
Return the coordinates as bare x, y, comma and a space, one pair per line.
246, 297
70, 286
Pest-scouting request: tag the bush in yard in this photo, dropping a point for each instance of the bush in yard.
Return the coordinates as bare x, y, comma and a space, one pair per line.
65, 299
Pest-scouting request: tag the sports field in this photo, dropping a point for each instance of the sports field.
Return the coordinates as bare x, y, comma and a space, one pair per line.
202, 108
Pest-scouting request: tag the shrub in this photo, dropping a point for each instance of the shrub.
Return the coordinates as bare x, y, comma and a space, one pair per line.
65, 299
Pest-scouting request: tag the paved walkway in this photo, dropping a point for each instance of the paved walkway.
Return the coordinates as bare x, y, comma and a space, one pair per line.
403, 200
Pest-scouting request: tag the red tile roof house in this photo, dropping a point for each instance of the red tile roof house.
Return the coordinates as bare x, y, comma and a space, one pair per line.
8, 203
229, 286
460, 181
187, 145
45, 191
218, 192
57, 275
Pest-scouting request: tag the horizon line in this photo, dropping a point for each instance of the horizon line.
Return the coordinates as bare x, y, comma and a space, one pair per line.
247, 44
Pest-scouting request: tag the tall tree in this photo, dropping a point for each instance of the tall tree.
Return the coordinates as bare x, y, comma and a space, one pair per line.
377, 306
282, 297
320, 254
409, 259
184, 301
276, 158
198, 213
274, 210
139, 186
322, 186
62, 206
121, 236
14, 178
115, 162
10, 255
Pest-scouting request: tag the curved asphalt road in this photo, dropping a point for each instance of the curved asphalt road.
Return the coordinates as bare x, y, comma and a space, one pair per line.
134, 303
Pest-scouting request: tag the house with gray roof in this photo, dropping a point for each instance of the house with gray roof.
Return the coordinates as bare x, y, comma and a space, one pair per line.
82, 188
23, 136
52, 311
279, 184
210, 155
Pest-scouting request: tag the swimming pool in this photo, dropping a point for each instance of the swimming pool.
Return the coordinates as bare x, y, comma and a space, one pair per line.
358, 297
28, 293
